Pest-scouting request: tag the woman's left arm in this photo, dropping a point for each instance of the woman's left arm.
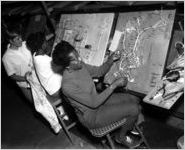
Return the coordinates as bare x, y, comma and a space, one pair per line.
104, 68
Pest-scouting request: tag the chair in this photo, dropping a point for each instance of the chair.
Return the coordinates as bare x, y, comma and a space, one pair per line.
61, 117
105, 132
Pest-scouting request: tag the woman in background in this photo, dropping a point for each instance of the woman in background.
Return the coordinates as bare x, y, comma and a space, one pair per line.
17, 61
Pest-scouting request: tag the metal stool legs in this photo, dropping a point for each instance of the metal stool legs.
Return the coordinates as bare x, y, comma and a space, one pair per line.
110, 141
142, 136
64, 126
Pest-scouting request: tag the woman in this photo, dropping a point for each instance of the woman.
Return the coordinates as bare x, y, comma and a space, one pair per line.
95, 110
49, 79
17, 61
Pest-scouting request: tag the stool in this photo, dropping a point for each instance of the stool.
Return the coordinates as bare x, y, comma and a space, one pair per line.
105, 131
143, 139
61, 119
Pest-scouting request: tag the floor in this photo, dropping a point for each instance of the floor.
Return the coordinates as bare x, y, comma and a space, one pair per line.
22, 127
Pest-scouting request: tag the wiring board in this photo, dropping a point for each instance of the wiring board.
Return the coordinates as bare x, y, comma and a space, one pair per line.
88, 33
143, 46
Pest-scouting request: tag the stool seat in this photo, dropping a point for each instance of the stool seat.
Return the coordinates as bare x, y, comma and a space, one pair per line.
105, 131
99, 132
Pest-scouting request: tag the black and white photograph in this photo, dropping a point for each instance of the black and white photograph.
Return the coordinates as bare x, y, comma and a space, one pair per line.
92, 74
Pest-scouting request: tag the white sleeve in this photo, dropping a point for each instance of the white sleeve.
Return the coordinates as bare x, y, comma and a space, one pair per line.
54, 83
11, 66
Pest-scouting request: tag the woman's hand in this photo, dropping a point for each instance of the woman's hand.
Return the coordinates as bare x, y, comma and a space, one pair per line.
121, 82
115, 56
27, 74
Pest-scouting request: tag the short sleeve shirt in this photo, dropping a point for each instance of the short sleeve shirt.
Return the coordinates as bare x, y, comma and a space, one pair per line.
50, 80
18, 62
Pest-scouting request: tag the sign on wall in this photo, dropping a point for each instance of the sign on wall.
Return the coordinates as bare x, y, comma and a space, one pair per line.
88, 33
143, 45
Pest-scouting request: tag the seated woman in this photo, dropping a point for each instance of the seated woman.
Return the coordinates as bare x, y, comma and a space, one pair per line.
95, 110
169, 86
172, 84
50, 80
178, 62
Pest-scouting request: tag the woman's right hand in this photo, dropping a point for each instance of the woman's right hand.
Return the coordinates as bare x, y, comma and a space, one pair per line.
121, 82
27, 74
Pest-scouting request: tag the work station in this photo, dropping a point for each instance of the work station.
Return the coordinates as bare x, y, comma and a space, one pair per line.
92, 74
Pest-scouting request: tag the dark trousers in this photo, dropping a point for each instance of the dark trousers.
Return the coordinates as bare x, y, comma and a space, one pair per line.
117, 107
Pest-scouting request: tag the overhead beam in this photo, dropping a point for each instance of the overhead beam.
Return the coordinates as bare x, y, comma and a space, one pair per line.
116, 3
48, 15
62, 4
80, 5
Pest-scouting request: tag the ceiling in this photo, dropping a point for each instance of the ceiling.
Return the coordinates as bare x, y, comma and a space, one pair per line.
22, 8
21, 11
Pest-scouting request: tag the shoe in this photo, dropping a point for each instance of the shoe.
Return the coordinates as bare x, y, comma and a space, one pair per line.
128, 141
134, 132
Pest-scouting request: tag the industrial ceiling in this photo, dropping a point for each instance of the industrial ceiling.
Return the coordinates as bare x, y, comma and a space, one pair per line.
23, 8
